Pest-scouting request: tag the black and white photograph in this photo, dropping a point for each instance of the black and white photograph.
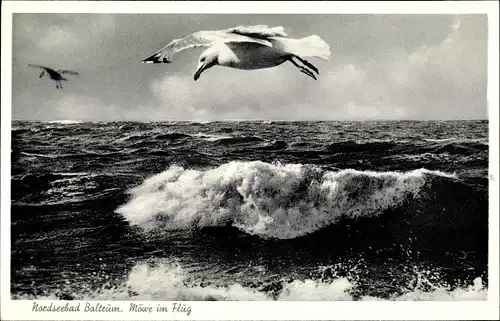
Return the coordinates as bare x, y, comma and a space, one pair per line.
183, 157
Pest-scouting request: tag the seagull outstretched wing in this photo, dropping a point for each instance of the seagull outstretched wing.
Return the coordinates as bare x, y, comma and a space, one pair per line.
259, 31
256, 34
39, 66
68, 72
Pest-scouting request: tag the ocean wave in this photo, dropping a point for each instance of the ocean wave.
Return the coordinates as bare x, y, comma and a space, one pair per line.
65, 122
200, 122
64, 188
81, 153
46, 177
212, 137
483, 141
462, 148
275, 145
450, 146
68, 176
23, 130
133, 137
268, 200
239, 140
39, 155
362, 147
172, 136
170, 282
436, 140
62, 197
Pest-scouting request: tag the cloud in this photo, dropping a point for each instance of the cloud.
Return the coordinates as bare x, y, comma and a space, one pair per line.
78, 107
68, 39
448, 79
342, 92
222, 93
56, 37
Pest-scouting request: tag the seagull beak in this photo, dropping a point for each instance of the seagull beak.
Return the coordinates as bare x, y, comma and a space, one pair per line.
201, 69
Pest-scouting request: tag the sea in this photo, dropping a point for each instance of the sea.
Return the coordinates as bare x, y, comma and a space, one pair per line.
249, 210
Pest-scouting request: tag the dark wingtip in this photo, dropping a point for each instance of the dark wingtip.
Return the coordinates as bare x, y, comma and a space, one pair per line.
155, 61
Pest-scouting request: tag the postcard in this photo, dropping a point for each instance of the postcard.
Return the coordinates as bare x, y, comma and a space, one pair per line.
249, 160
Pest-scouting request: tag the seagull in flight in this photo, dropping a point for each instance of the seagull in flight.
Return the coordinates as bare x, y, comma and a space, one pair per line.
247, 48
55, 75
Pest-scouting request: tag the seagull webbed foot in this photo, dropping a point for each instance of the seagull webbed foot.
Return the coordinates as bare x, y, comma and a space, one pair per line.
303, 69
308, 64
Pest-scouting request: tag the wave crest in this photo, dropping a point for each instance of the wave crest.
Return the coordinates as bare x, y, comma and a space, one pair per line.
166, 281
269, 200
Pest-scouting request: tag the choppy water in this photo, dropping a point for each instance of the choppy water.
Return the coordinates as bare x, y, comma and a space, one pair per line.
250, 210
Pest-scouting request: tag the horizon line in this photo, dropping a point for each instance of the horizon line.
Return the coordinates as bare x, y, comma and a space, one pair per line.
240, 120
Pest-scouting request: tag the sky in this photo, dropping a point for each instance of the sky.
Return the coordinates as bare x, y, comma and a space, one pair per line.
382, 67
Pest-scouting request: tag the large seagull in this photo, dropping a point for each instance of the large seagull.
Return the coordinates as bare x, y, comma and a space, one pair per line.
247, 48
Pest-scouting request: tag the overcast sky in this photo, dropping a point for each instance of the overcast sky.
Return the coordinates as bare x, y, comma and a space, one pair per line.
382, 67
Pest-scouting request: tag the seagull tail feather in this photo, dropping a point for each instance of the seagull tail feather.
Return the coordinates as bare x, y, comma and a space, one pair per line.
310, 46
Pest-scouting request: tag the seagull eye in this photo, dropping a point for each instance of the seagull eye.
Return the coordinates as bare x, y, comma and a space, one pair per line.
202, 59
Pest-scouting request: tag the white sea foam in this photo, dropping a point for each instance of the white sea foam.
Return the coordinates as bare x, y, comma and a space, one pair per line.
337, 290
169, 282
131, 136
269, 200
437, 140
483, 141
211, 137
200, 122
473, 292
65, 122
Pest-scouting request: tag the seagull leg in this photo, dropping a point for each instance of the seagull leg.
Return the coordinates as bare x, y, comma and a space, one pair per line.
308, 72
308, 64
303, 69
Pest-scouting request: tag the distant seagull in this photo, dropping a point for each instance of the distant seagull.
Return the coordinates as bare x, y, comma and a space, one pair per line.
247, 47
55, 75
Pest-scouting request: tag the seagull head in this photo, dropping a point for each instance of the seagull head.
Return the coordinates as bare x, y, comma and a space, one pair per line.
208, 59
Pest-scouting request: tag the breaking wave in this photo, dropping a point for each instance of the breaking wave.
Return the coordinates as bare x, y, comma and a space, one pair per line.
170, 282
65, 122
268, 200
211, 137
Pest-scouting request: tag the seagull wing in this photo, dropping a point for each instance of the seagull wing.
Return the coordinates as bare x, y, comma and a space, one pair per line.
68, 72
38, 66
258, 31
199, 39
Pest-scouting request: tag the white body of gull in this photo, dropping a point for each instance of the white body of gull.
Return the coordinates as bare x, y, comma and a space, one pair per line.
54, 75
247, 48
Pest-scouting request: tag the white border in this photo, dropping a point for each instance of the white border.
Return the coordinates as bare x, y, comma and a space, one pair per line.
17, 310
